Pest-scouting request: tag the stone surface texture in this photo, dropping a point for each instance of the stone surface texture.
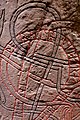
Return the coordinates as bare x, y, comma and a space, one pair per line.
39, 59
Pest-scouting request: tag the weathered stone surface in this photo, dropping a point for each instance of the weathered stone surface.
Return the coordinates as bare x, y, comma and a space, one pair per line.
39, 60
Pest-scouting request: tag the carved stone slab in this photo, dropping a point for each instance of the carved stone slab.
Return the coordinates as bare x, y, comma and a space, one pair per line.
39, 60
